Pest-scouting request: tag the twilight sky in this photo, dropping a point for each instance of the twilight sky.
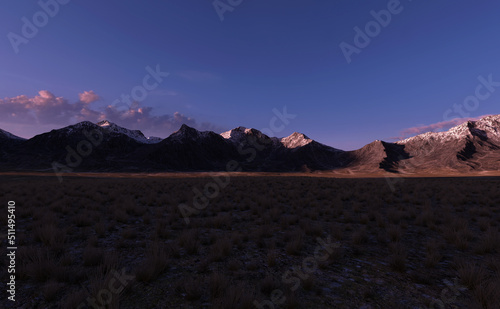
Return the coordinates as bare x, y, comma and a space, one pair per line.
430, 62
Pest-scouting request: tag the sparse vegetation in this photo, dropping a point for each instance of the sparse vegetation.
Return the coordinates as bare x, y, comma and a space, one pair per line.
240, 246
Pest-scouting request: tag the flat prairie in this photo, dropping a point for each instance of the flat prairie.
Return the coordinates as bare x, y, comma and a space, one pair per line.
254, 240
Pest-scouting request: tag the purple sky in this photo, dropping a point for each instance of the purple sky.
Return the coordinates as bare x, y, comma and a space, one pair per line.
424, 64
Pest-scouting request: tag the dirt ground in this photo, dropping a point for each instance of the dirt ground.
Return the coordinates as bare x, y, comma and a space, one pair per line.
199, 240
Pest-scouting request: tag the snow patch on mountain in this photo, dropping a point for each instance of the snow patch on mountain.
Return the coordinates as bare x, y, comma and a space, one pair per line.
295, 140
237, 135
488, 127
133, 134
240, 135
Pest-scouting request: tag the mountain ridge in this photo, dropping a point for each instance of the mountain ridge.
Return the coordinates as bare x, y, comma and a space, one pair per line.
472, 145
135, 134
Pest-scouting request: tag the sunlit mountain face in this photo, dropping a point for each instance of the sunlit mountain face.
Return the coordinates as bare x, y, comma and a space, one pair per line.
105, 146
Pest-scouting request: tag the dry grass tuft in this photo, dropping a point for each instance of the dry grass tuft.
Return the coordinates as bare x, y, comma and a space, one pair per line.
487, 293
268, 284
360, 236
295, 243
50, 235
40, 266
272, 257
189, 241
395, 233
433, 255
470, 274
73, 300
92, 256
51, 289
221, 249
236, 296
154, 263
489, 242
218, 284
397, 258
191, 287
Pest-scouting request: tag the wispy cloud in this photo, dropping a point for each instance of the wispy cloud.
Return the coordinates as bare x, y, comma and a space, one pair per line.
47, 109
434, 127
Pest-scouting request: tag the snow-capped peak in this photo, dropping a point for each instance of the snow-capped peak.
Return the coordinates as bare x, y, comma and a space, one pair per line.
237, 134
488, 126
133, 134
295, 140
239, 131
240, 134
104, 123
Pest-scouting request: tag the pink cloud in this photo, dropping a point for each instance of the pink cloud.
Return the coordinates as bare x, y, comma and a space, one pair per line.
141, 117
45, 109
88, 97
438, 126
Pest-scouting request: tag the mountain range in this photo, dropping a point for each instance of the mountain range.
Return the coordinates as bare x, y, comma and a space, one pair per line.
107, 147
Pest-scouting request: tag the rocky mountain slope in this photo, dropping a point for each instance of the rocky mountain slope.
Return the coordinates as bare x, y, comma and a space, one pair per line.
474, 145
134, 134
105, 146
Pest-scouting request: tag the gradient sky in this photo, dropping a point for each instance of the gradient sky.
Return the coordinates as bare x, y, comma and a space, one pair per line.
264, 55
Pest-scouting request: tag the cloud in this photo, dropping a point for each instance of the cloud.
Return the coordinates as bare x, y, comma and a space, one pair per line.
44, 108
47, 109
88, 97
435, 127
141, 117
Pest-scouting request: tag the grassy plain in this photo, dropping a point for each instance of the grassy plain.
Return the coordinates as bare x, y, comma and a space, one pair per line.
256, 241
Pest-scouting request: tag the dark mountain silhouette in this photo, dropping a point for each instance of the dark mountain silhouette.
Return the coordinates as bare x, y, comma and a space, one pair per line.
85, 146
189, 150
